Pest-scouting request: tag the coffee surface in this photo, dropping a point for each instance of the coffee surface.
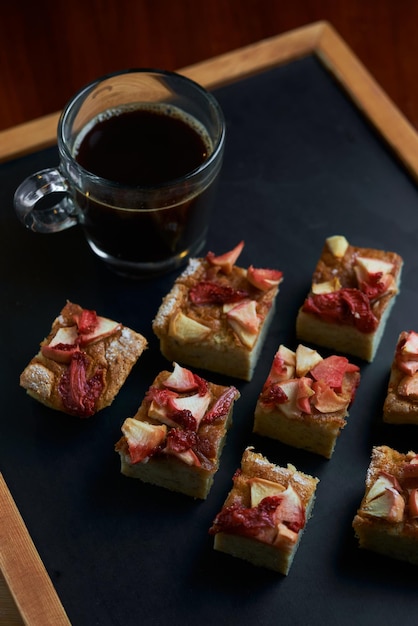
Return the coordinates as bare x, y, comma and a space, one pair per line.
143, 146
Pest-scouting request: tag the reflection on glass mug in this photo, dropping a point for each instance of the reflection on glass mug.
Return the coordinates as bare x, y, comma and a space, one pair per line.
140, 153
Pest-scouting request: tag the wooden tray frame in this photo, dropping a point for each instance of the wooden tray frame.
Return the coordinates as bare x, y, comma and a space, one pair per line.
26, 591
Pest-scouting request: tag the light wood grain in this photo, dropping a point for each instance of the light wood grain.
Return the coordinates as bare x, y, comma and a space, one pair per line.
22, 568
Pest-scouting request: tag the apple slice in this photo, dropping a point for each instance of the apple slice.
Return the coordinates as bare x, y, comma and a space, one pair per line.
181, 380
226, 261
63, 345
104, 328
305, 392
389, 505
187, 330
328, 286
142, 438
244, 320
196, 404
285, 535
374, 266
384, 481
282, 367
264, 279
326, 400
306, 359
338, 245
410, 347
261, 488
290, 388
290, 511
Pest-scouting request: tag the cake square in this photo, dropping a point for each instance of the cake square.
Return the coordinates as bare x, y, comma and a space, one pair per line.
401, 402
176, 437
265, 513
82, 363
305, 399
387, 520
352, 293
217, 315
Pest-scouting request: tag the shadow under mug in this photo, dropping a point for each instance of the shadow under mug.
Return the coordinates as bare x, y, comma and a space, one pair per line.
138, 229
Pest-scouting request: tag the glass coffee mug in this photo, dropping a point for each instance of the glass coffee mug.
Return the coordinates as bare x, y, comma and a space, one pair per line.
140, 153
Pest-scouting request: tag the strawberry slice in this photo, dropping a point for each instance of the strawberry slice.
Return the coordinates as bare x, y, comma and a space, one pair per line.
79, 394
331, 370
86, 321
263, 278
142, 438
225, 261
222, 405
207, 292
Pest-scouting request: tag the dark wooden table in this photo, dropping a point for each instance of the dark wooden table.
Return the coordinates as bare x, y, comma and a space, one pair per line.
49, 52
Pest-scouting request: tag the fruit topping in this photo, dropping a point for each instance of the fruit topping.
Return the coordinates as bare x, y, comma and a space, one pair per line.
347, 306
222, 405
384, 499
307, 381
261, 488
338, 245
406, 353
277, 516
328, 286
227, 260
62, 347
306, 359
244, 320
79, 393
186, 329
207, 292
181, 379
264, 279
142, 438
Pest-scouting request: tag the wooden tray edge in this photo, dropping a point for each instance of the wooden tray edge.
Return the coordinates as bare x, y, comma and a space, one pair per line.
23, 570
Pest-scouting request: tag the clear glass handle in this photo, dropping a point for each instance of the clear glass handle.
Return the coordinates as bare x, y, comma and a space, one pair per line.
34, 202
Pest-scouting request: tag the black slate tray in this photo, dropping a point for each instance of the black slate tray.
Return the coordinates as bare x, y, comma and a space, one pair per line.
301, 163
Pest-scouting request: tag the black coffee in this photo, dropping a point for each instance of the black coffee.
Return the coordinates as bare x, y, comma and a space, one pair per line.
146, 148
143, 147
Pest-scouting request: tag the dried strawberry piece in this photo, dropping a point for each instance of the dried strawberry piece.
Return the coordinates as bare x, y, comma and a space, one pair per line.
179, 440
273, 395
202, 385
207, 292
86, 321
374, 287
246, 521
161, 396
221, 406
349, 306
79, 394
184, 419
331, 371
